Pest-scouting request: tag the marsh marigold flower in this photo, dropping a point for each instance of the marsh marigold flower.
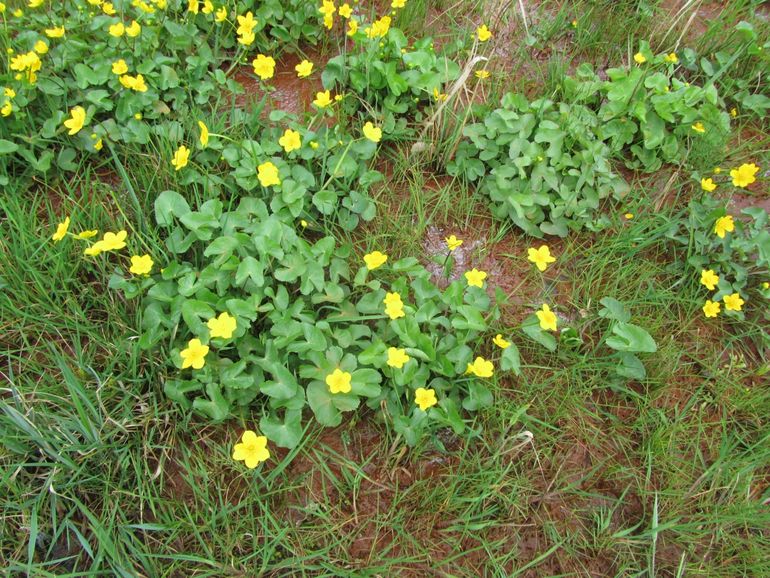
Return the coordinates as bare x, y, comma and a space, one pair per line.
373, 133
540, 257
475, 278
345, 11
117, 30
481, 368
698, 127
711, 308
708, 185
40, 47
141, 265
181, 157
252, 450
352, 27
744, 175
304, 69
501, 342
264, 66
639, 58
397, 357
709, 279
453, 242
109, 9
134, 29
547, 318
379, 28
221, 15
425, 398
671, 58
375, 259
222, 326
482, 74
394, 307
322, 99
194, 355
119, 67
733, 302
483, 33
76, 121
61, 230
290, 141
724, 225
56, 32
204, 138
267, 173
339, 381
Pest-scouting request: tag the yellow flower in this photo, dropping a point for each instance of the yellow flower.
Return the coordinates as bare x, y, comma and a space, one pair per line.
328, 22
204, 138
397, 357
733, 112
61, 230
733, 302
138, 116
222, 326
322, 99
252, 450
628, 216
87, 234
547, 318
481, 368
108, 9
394, 307
303, 222
717, 170
314, 144
246, 24
192, 6
453, 242
483, 33
141, 265
304, 69
482, 74
181, 156
208, 7
375, 259
398, 4
540, 257
708, 185
98, 145
56, 32
113, 241
119, 67
264, 66
290, 141
639, 58
425, 398
9, 92
40, 47
379, 28
18, 13
139, 85
766, 285
117, 30
501, 342
6, 109
671, 58
475, 278
373, 133
77, 120
698, 127
709, 279
744, 175
724, 225
711, 308
352, 27
267, 173
339, 381
345, 11
439, 96
195, 354
35, 3
133, 30
221, 15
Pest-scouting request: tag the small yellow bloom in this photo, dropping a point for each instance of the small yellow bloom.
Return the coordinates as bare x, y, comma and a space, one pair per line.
709, 279
141, 265
425, 398
501, 342
76, 121
264, 66
628, 216
113, 241
453, 242
61, 230
744, 175
639, 58
733, 112
398, 4
193, 6
352, 27
475, 278
119, 67
98, 145
204, 138
222, 326
304, 69
6, 109
540, 257
345, 11
87, 234
221, 15
267, 173
733, 302
375, 259
290, 141
56, 32
379, 28
327, 8
109, 9
698, 127
40, 47
671, 58
252, 450
138, 116
547, 318
314, 144
482, 74
134, 29
303, 222
481, 368
439, 96
35, 3
373, 133
724, 225
117, 30
181, 157
339, 381
194, 355
717, 170
708, 185
394, 307
483, 33
711, 308
397, 357
322, 99
208, 7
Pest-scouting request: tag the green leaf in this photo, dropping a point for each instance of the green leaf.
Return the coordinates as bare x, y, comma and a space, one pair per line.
630, 366
531, 327
286, 433
631, 338
7, 147
478, 396
614, 309
320, 400
511, 360
170, 204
